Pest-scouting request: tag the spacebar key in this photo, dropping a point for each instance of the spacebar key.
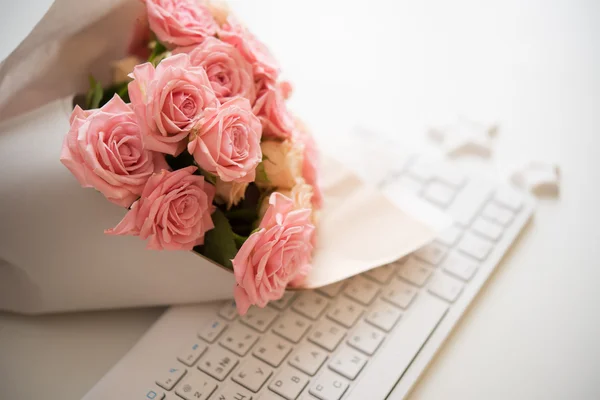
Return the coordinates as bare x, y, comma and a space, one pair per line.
402, 346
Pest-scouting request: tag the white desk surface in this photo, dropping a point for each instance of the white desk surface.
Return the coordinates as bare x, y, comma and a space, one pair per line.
533, 331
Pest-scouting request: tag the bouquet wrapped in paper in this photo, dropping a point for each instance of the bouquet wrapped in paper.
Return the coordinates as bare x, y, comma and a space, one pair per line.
195, 139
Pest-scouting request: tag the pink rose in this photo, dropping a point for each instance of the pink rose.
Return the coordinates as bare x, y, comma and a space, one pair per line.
310, 162
227, 141
229, 73
257, 54
104, 150
180, 22
169, 101
277, 254
272, 111
173, 212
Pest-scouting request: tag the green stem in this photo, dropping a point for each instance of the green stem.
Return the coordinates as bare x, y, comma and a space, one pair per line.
239, 239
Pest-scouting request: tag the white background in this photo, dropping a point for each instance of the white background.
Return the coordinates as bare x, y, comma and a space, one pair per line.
396, 66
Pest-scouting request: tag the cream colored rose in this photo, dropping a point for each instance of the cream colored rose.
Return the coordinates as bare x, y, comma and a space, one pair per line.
301, 194
219, 10
282, 162
231, 193
123, 67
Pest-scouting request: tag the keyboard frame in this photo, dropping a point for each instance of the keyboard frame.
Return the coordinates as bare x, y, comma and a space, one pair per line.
139, 367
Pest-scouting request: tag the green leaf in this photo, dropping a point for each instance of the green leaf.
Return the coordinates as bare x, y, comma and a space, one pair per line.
210, 178
239, 239
261, 173
219, 242
159, 52
94, 94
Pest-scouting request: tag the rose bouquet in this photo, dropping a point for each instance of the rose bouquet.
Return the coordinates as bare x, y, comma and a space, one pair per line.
196, 141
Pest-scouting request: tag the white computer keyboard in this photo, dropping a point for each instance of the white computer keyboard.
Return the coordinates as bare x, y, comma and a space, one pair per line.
368, 337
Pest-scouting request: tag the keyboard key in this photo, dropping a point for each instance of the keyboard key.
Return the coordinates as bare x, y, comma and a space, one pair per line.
439, 194
329, 386
332, 290
362, 290
401, 349
252, 374
212, 330
228, 311
381, 274
450, 236
431, 253
475, 246
288, 383
291, 326
402, 184
272, 350
498, 214
509, 198
190, 354
154, 394
308, 358
383, 315
460, 266
421, 170
446, 287
310, 304
469, 201
283, 302
348, 363
366, 338
415, 271
450, 177
217, 362
170, 377
239, 339
233, 391
196, 386
345, 311
259, 318
399, 293
488, 229
327, 335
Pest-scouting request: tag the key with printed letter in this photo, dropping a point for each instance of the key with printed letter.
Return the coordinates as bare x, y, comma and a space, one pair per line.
239, 339
308, 358
217, 362
348, 362
288, 383
345, 311
329, 386
259, 318
383, 315
362, 290
327, 335
190, 354
212, 330
252, 374
310, 304
272, 350
171, 377
291, 326
366, 338
196, 386
233, 391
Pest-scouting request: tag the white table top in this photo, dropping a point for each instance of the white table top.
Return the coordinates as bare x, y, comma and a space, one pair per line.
395, 66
